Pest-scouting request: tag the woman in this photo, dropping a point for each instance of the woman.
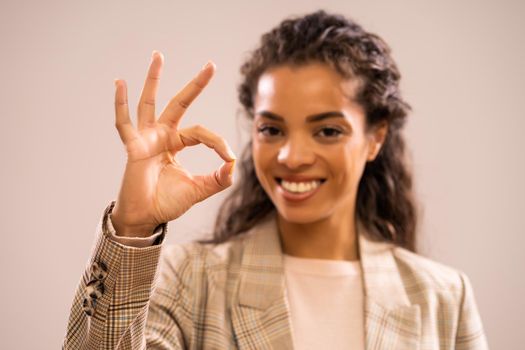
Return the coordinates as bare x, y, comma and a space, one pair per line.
314, 247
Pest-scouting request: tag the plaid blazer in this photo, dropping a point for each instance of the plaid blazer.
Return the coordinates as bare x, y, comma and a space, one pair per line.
232, 296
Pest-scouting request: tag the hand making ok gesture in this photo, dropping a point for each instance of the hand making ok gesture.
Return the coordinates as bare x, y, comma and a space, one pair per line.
155, 187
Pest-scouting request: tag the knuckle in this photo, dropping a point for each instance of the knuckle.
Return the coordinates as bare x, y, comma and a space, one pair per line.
148, 102
121, 103
216, 175
199, 128
183, 104
222, 141
120, 124
198, 85
183, 140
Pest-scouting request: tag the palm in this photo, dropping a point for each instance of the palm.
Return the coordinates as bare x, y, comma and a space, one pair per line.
155, 187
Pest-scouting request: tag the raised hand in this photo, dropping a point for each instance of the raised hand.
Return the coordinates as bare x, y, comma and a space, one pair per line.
155, 187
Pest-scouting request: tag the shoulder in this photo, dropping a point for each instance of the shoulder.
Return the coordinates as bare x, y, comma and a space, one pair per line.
444, 291
260, 242
192, 261
210, 254
420, 274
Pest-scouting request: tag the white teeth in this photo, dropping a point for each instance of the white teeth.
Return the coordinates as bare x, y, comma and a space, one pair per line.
300, 187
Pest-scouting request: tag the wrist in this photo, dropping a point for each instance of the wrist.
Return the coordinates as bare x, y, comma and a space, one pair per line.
123, 230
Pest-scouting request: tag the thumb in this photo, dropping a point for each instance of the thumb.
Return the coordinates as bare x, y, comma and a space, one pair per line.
217, 181
224, 175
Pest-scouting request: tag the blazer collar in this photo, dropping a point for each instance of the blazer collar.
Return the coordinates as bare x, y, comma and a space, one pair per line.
262, 279
261, 275
382, 278
260, 312
261, 293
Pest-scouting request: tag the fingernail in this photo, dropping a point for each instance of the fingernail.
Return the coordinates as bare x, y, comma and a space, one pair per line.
231, 169
230, 152
207, 65
153, 53
115, 82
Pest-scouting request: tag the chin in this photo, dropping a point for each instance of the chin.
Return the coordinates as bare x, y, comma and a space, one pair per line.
300, 215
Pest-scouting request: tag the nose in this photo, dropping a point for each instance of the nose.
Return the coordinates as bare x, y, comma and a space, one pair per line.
295, 153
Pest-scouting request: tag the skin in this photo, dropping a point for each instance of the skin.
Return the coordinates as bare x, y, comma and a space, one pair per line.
335, 148
155, 187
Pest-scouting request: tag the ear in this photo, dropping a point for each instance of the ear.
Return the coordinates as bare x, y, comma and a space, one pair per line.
376, 139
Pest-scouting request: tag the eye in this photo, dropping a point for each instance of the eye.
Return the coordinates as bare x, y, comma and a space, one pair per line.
268, 130
330, 132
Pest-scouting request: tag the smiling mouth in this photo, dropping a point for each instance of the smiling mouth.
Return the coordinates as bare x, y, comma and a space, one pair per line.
299, 187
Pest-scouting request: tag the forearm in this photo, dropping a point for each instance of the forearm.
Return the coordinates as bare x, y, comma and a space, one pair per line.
119, 299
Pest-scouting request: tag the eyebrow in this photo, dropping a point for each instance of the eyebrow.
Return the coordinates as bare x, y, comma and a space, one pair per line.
311, 118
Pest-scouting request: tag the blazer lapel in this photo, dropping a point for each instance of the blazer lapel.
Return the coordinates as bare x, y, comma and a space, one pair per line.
260, 314
391, 321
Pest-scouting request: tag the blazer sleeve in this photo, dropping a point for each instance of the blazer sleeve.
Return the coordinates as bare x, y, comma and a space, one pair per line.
470, 334
110, 306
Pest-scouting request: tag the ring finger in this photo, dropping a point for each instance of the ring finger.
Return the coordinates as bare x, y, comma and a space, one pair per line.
146, 107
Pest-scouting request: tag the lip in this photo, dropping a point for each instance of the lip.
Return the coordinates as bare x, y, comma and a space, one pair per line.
297, 197
300, 178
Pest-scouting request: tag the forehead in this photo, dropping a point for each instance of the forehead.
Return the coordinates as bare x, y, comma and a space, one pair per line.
309, 86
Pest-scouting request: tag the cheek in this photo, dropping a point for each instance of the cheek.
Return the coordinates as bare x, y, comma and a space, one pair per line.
355, 163
346, 163
258, 154
262, 160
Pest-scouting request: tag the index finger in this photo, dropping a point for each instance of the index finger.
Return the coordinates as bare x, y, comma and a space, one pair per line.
174, 110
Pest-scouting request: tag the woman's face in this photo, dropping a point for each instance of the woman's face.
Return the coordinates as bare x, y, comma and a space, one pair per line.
309, 141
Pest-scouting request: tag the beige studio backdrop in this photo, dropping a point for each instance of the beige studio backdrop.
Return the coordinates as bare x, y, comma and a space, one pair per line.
61, 158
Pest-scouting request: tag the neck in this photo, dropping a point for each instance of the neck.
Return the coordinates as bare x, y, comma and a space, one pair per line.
331, 238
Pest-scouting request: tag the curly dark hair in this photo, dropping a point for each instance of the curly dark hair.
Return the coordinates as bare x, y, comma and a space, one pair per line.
385, 202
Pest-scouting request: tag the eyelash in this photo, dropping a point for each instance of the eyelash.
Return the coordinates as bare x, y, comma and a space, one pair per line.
265, 128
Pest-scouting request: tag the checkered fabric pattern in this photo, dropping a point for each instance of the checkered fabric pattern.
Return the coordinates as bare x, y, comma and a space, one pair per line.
232, 296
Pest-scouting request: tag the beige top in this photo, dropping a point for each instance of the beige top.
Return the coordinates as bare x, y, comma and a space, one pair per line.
326, 303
